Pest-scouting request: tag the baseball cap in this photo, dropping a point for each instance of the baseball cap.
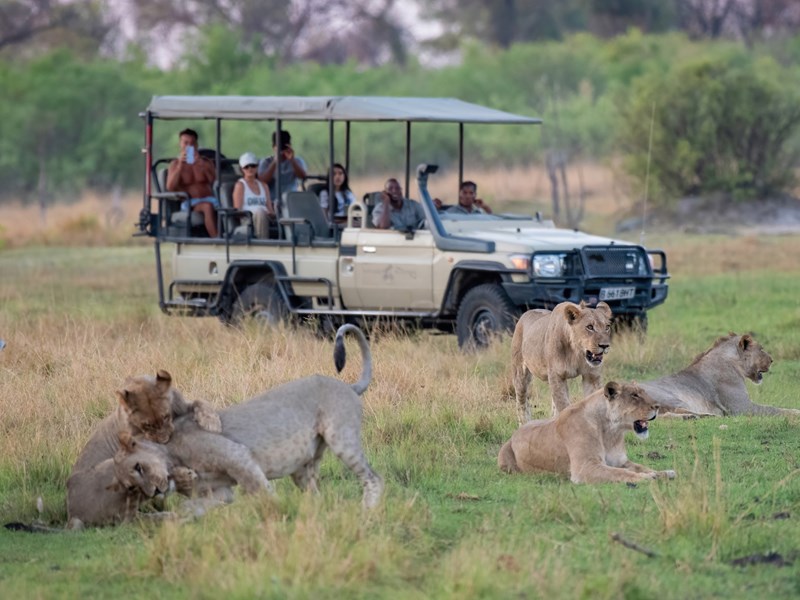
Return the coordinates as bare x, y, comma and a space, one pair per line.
248, 158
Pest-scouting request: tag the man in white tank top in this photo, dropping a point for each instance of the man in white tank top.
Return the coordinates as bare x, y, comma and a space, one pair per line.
251, 195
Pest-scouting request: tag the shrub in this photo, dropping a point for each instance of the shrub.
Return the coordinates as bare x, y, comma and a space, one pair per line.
719, 124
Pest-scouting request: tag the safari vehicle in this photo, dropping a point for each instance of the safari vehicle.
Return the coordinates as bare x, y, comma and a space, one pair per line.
468, 274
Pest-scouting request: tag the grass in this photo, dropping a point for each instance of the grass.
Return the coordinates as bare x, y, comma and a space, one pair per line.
78, 320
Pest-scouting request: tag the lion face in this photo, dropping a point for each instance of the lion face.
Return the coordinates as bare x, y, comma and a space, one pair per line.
630, 407
755, 360
591, 330
148, 403
138, 470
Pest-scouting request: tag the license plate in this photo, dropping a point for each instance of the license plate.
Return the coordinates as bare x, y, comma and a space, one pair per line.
617, 293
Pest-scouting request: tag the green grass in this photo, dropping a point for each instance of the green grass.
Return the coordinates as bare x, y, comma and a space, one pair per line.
452, 526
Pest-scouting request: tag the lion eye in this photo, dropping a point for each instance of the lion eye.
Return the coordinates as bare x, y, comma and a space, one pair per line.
590, 327
138, 468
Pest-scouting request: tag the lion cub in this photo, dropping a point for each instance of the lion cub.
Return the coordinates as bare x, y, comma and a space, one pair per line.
556, 346
587, 439
147, 406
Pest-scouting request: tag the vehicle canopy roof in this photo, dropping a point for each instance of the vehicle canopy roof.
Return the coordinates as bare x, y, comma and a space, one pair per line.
330, 108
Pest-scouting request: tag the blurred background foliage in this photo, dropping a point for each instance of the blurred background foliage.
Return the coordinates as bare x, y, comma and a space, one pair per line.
708, 90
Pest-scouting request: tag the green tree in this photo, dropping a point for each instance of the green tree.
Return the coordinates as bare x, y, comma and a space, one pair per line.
67, 124
721, 124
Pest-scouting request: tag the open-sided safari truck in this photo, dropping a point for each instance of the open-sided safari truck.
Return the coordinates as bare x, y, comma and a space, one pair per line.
468, 274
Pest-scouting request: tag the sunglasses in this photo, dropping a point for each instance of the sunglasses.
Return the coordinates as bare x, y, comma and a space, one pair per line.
249, 166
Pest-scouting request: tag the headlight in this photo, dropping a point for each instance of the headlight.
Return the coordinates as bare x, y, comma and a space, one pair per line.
548, 265
634, 264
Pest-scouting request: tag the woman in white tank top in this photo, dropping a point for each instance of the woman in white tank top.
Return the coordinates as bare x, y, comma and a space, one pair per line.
253, 196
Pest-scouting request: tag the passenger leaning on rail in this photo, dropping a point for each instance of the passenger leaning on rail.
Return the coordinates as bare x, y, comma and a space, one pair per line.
395, 211
194, 174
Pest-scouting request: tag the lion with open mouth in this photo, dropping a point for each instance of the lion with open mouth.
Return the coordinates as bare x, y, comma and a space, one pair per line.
567, 342
587, 439
714, 384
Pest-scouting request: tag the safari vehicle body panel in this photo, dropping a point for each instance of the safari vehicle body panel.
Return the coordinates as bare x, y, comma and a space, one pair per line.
472, 274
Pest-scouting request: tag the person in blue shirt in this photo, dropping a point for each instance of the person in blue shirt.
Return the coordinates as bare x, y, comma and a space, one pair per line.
293, 168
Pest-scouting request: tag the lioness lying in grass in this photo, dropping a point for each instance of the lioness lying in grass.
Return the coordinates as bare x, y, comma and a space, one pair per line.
286, 429
714, 384
587, 439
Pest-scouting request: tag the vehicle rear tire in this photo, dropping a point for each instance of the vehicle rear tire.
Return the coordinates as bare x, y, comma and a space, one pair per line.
260, 301
485, 312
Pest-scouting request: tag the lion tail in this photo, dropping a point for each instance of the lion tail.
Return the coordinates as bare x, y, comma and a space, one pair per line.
506, 459
339, 356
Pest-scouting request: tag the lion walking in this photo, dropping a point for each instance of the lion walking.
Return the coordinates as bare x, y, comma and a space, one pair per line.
558, 345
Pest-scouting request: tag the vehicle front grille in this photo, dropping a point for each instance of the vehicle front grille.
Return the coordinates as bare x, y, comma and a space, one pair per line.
603, 261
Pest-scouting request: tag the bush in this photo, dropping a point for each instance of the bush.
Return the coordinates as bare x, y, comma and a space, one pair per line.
719, 124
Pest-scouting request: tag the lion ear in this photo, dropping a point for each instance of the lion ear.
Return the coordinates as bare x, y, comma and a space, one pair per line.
745, 342
126, 440
612, 390
572, 312
122, 398
163, 380
605, 309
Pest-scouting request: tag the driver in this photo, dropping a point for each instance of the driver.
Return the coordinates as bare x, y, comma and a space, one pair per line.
468, 202
395, 211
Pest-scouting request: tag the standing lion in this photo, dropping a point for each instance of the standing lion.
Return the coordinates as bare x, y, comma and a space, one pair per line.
558, 345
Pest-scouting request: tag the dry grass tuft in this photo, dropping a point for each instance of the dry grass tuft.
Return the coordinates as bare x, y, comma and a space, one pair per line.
695, 503
309, 542
94, 220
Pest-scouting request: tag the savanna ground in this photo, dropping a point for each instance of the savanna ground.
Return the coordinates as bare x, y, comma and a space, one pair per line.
79, 314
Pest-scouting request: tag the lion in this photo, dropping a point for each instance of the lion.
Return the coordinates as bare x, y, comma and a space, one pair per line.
714, 383
286, 429
95, 497
147, 406
557, 345
587, 439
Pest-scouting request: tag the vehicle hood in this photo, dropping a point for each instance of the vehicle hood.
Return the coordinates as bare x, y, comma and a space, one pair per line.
517, 238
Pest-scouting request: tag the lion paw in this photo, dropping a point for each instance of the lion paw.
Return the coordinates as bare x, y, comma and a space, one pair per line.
668, 474
206, 417
184, 479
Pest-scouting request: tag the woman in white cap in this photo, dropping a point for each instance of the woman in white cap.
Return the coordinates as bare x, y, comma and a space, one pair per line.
251, 195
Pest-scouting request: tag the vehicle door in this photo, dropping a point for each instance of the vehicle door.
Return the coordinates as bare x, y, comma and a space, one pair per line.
387, 269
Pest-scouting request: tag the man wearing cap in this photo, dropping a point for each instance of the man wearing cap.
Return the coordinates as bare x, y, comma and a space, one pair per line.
293, 168
249, 194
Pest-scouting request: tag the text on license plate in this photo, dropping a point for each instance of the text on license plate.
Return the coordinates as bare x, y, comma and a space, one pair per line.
617, 293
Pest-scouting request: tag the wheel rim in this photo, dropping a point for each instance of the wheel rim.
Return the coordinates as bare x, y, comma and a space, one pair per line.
263, 314
484, 327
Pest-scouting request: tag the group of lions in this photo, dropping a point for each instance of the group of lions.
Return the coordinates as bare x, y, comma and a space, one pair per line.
585, 440
156, 441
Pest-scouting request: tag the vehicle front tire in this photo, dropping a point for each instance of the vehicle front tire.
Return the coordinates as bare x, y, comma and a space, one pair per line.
636, 324
260, 301
485, 312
